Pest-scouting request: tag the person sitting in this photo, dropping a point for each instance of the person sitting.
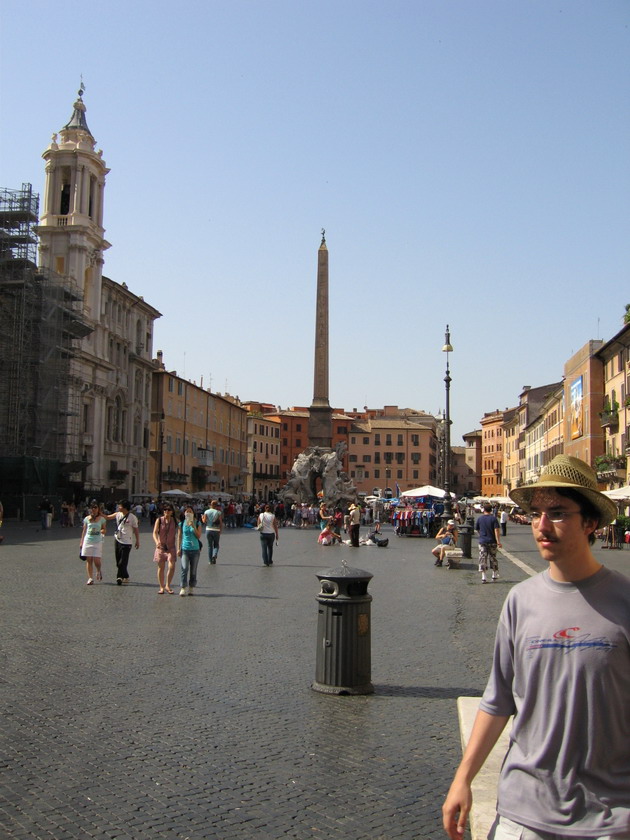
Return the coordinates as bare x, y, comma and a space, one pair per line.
447, 538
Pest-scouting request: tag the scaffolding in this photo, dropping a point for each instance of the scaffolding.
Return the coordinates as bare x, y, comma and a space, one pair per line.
41, 325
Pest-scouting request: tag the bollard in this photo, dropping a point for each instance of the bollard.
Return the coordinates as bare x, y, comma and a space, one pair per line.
343, 664
465, 536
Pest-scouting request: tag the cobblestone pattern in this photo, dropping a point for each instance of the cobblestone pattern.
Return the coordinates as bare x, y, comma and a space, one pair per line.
131, 715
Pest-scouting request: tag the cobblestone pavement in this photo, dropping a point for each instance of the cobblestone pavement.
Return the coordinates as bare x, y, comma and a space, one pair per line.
131, 715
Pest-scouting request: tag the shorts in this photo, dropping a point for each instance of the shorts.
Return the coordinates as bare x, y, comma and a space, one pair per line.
505, 829
488, 555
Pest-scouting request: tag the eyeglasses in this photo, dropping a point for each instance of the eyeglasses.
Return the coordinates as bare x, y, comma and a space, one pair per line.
554, 516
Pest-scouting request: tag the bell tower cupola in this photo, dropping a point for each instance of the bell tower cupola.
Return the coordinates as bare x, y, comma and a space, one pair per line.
71, 232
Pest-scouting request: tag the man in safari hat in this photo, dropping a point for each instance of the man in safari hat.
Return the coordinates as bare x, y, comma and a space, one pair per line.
562, 667
355, 524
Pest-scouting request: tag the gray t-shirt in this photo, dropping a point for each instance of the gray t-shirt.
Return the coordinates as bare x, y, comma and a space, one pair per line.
562, 667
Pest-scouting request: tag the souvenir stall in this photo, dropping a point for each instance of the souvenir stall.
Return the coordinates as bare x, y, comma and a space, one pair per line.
419, 512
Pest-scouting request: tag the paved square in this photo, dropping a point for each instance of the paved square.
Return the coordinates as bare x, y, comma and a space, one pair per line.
131, 715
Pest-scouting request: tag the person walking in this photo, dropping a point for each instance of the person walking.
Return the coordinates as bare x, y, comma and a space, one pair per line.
127, 533
503, 519
213, 520
165, 555
561, 666
268, 528
91, 543
188, 550
354, 513
487, 527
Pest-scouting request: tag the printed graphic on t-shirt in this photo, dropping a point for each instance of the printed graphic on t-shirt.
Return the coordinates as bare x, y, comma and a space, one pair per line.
569, 640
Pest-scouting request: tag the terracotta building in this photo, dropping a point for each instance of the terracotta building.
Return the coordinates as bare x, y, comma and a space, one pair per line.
263, 451
395, 453
614, 414
473, 441
584, 399
492, 453
198, 438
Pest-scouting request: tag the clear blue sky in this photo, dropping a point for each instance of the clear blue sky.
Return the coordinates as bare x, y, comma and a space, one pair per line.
469, 161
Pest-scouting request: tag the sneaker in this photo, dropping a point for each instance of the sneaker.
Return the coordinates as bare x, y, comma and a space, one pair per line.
89, 582
191, 590
118, 581
483, 579
495, 576
182, 591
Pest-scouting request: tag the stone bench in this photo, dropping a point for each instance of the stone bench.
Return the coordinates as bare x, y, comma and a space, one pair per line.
453, 557
484, 787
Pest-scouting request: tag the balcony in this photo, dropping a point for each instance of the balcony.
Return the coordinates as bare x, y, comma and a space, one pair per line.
117, 476
609, 419
610, 467
173, 477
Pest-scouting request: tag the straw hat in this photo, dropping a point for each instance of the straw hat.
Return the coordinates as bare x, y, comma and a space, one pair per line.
566, 472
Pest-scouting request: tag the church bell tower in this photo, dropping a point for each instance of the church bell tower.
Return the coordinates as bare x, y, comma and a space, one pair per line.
71, 233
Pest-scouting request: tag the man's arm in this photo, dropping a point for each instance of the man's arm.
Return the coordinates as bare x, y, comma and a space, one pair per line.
485, 733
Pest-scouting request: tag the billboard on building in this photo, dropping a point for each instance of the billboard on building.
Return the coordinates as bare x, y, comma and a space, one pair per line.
577, 408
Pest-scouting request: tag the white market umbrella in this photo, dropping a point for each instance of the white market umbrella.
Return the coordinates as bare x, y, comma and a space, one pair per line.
175, 493
425, 490
619, 494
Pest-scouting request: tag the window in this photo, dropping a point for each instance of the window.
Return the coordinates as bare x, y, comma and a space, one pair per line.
377, 457
388, 457
400, 440
366, 441
399, 473
342, 430
171, 384
366, 474
414, 474
415, 440
298, 441
388, 440
377, 473
298, 427
367, 459
400, 457
352, 458
415, 457
377, 439
353, 439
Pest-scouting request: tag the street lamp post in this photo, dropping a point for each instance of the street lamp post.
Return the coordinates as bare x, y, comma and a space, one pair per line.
448, 507
161, 464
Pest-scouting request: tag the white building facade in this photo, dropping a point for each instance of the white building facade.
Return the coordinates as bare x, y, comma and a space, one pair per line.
112, 371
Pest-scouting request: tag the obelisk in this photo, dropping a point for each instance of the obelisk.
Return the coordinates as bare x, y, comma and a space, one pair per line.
320, 420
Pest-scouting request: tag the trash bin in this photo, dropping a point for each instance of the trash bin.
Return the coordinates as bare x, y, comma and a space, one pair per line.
343, 664
465, 537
